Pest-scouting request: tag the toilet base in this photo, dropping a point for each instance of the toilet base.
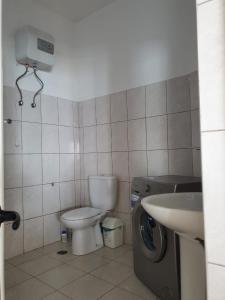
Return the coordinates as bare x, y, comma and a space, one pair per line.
87, 240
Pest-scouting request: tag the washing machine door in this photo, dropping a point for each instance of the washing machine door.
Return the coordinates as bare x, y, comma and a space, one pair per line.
150, 234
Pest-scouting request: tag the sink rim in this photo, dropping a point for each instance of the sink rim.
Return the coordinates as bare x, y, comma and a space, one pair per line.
166, 198
179, 219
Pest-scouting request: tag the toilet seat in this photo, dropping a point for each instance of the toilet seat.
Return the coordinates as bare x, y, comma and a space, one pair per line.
81, 213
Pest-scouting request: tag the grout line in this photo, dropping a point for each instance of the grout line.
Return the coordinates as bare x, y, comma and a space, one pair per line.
74, 163
107, 123
102, 152
145, 116
191, 125
168, 153
96, 140
60, 205
66, 263
146, 136
127, 140
40, 184
22, 178
42, 173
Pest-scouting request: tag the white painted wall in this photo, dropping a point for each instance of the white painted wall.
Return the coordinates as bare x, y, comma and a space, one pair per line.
128, 43
211, 53
17, 13
131, 43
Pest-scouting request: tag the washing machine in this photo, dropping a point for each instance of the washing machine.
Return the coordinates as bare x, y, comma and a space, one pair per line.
155, 247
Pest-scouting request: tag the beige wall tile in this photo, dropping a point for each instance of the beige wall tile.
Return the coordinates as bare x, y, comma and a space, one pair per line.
90, 164
87, 113
157, 133
120, 165
180, 162
156, 99
178, 95
104, 163
158, 162
51, 229
118, 103
119, 136
103, 110
123, 202
136, 103
49, 110
104, 138
90, 139
137, 134
179, 130
13, 241
65, 112
137, 164
33, 234
13, 138
13, 171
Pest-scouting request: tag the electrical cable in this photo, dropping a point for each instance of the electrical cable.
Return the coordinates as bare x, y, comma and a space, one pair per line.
17, 84
33, 104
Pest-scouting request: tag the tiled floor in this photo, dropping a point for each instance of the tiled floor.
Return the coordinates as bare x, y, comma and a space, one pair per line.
43, 274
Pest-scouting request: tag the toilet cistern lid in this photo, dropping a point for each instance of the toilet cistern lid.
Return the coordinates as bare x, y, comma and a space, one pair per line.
81, 213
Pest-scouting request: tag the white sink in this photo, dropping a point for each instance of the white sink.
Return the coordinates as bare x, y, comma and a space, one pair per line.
181, 212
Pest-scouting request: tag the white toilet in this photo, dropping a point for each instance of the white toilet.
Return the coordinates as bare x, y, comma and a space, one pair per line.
85, 221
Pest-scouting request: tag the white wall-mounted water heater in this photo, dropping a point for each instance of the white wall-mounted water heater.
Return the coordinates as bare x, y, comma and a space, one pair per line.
35, 48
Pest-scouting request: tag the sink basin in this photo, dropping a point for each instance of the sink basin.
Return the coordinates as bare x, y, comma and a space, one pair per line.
181, 212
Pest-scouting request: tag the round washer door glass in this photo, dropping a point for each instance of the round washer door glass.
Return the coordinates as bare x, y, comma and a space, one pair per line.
153, 235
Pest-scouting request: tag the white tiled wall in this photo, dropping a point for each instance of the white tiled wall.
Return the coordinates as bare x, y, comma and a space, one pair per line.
41, 167
211, 43
50, 151
149, 130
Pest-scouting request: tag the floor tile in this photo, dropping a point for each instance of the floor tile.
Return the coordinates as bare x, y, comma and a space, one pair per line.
21, 259
108, 267
87, 288
30, 289
60, 276
8, 266
120, 294
134, 285
40, 265
88, 262
112, 253
56, 296
55, 247
15, 276
126, 258
63, 258
113, 272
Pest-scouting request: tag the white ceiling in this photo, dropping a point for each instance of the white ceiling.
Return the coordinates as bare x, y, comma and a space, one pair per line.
75, 10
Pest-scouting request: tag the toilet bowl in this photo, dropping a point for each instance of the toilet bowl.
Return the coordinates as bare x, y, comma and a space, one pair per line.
85, 221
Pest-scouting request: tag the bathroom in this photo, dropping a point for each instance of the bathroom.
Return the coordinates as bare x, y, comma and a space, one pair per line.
131, 100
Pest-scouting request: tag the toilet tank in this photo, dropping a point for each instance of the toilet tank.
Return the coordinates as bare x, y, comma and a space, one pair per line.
103, 192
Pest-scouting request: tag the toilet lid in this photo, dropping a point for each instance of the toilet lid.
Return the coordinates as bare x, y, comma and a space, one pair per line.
81, 213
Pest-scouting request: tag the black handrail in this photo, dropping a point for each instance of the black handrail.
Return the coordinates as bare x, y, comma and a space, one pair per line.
7, 216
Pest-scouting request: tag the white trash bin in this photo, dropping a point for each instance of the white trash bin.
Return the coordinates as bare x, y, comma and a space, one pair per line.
112, 232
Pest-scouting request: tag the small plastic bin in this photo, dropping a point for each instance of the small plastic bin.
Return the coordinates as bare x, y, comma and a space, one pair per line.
112, 232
